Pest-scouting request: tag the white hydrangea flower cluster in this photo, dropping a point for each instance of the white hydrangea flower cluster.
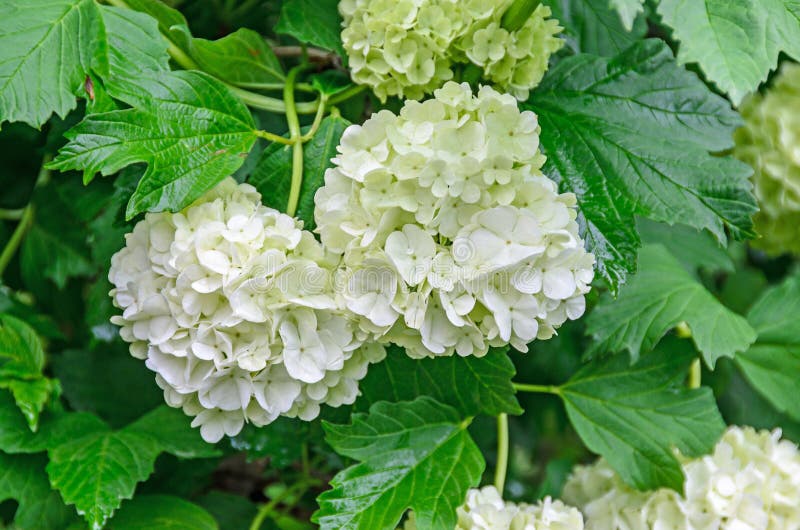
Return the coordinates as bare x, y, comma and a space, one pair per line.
769, 141
453, 239
407, 48
485, 509
514, 61
750, 482
231, 304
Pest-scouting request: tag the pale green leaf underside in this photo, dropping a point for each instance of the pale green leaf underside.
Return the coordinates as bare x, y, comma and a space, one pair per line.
635, 415
413, 455
135, 46
46, 60
735, 43
46, 49
593, 27
661, 295
693, 248
772, 365
186, 126
628, 10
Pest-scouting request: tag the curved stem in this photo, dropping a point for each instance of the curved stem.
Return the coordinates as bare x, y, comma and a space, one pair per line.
539, 389
323, 100
502, 453
273, 137
518, 14
298, 489
346, 94
11, 215
25, 219
301, 87
296, 137
11, 247
695, 374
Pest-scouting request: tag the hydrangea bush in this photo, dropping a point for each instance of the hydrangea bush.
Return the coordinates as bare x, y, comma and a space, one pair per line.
233, 306
750, 480
410, 264
768, 141
410, 48
453, 239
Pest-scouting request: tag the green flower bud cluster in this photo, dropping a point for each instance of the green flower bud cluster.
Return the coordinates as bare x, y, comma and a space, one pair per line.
408, 48
770, 143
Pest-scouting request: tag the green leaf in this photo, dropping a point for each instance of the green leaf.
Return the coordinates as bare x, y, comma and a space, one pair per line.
171, 427
166, 16
31, 396
592, 27
276, 441
21, 366
735, 43
628, 10
412, 455
242, 58
46, 50
315, 22
472, 385
232, 512
694, 249
55, 246
84, 376
187, 126
161, 512
18, 305
272, 175
772, 364
21, 353
660, 296
630, 136
96, 471
22, 478
331, 82
635, 415
54, 428
135, 47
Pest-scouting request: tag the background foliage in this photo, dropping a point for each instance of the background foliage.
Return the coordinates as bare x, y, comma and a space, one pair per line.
169, 101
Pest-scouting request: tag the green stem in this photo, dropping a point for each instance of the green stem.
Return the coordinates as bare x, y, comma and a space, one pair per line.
323, 100
695, 374
25, 219
518, 13
296, 136
273, 137
539, 389
502, 453
346, 94
304, 460
301, 87
11, 215
253, 99
299, 489
11, 247
180, 56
